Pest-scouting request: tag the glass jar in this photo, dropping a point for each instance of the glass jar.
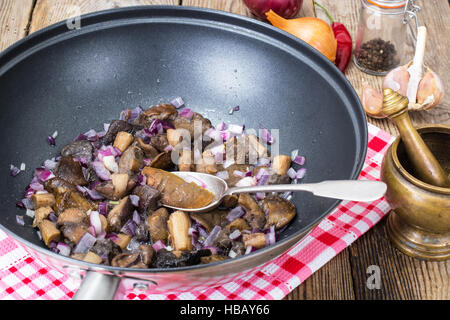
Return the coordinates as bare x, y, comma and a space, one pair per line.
382, 33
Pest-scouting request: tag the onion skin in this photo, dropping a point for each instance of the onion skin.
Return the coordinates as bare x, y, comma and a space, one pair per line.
285, 8
316, 32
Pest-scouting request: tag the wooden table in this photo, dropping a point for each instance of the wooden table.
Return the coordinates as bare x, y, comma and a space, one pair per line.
346, 275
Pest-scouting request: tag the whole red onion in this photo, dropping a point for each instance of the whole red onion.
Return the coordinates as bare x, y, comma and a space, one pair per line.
285, 8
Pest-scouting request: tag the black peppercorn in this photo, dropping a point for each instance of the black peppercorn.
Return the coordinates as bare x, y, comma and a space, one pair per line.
377, 55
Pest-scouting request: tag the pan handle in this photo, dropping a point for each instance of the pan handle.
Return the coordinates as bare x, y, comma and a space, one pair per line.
97, 286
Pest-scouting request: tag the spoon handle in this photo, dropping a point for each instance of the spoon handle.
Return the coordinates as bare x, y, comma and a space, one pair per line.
351, 190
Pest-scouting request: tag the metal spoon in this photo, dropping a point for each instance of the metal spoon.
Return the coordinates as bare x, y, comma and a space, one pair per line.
351, 190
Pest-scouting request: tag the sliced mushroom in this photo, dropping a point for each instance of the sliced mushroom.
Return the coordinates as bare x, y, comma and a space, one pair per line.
43, 200
254, 215
146, 252
150, 151
125, 260
73, 199
131, 160
162, 161
281, 164
122, 240
279, 211
207, 163
157, 225
210, 219
213, 258
260, 149
175, 191
185, 161
79, 149
198, 120
239, 224
277, 179
179, 225
232, 178
174, 136
49, 231
106, 248
230, 201
162, 112
120, 214
120, 185
160, 142
58, 186
70, 170
41, 214
115, 127
148, 198
73, 223
167, 259
92, 258
123, 140
256, 240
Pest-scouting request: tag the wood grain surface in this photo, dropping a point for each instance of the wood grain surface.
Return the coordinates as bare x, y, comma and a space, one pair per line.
345, 276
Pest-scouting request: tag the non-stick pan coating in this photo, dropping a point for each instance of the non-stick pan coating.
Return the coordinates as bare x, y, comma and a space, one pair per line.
73, 80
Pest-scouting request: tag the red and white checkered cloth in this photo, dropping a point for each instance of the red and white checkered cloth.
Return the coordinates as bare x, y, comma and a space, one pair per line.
22, 276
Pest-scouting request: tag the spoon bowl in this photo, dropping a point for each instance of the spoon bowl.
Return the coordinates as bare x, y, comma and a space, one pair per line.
351, 190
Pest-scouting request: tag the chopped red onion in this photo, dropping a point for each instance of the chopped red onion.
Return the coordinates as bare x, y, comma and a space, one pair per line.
136, 217
133, 114
91, 135
134, 200
246, 182
221, 126
235, 213
52, 217
239, 173
63, 249
213, 134
235, 234
177, 102
103, 208
112, 236
193, 232
101, 171
14, 171
158, 245
265, 135
236, 129
142, 180
85, 244
212, 236
80, 137
19, 220
155, 128
129, 227
51, 141
94, 218
50, 164
225, 135
292, 173
300, 173
186, 113
27, 203
223, 175
286, 195
299, 160
218, 149
263, 162
249, 249
270, 236
260, 195
168, 148
43, 174
237, 108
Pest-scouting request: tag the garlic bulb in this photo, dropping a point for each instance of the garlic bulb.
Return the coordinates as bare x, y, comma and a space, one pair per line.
372, 101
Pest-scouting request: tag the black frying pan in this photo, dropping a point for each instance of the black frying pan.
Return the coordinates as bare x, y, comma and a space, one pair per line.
74, 80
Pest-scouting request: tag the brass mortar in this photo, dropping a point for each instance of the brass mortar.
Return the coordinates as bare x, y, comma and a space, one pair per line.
419, 224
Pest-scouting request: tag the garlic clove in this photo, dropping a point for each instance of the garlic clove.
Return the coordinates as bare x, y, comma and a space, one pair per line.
372, 101
430, 91
397, 80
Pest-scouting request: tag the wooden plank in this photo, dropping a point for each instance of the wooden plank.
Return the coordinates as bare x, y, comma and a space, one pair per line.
48, 12
14, 17
402, 277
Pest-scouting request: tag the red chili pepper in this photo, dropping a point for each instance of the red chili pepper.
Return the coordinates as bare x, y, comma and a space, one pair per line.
344, 41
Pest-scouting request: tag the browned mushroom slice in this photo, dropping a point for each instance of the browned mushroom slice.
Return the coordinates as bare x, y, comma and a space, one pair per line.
79, 149
120, 185
41, 214
146, 252
162, 112
256, 240
123, 140
213, 258
148, 198
73, 223
254, 215
232, 178
167, 259
207, 164
179, 225
70, 170
58, 186
106, 248
239, 224
186, 161
92, 258
160, 142
230, 201
150, 151
43, 200
49, 231
73, 199
115, 127
210, 219
120, 214
157, 225
162, 161
131, 160
197, 125
125, 260
175, 191
279, 211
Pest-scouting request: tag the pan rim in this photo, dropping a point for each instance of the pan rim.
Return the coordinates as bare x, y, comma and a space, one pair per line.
58, 29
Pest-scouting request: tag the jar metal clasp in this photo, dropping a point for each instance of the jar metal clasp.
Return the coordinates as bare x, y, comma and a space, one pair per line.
411, 10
